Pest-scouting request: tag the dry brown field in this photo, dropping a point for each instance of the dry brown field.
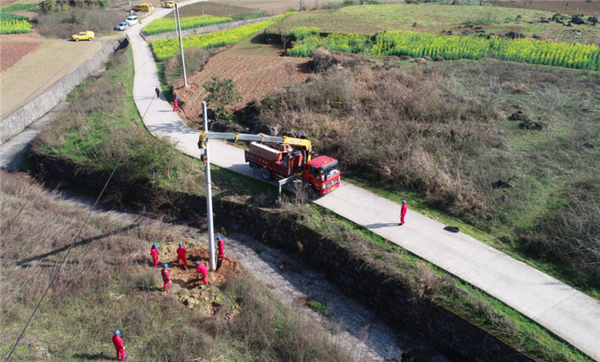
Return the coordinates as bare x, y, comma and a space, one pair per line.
12, 52
38, 70
256, 69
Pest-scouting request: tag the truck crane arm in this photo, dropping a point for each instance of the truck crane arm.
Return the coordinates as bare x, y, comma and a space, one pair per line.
204, 136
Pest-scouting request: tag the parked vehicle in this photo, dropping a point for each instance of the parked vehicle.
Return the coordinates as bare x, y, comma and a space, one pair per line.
132, 20
84, 35
145, 7
285, 157
169, 4
122, 26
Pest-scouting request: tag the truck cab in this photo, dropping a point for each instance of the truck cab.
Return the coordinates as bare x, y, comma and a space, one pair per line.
323, 173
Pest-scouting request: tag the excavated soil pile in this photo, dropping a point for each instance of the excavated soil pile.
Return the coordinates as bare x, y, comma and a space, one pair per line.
188, 284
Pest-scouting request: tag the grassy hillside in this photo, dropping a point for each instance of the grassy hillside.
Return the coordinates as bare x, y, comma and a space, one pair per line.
107, 284
440, 134
432, 18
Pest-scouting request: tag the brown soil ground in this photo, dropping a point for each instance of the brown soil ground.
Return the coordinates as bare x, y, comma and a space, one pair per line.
256, 69
565, 7
13, 52
188, 284
26, 78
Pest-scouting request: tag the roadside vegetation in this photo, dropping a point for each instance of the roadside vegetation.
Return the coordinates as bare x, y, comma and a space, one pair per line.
18, 6
107, 284
511, 149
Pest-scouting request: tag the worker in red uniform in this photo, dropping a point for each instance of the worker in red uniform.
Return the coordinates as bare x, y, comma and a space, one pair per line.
166, 277
175, 104
202, 269
403, 212
118, 342
221, 247
154, 253
181, 255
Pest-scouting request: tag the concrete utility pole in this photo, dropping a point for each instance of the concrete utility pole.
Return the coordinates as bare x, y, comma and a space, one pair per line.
181, 46
209, 212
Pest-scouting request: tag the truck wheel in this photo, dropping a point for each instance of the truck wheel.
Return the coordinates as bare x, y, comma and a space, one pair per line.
311, 192
265, 174
90, 39
76, 39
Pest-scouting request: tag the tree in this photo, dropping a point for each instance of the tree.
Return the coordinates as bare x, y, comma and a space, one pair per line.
46, 6
221, 93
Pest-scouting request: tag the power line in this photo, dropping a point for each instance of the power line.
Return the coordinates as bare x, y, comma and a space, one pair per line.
77, 236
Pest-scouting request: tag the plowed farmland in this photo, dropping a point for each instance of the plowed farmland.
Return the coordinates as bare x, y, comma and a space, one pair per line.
255, 75
13, 52
591, 8
38, 70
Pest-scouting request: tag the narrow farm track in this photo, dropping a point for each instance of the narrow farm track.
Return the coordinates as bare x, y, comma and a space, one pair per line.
568, 313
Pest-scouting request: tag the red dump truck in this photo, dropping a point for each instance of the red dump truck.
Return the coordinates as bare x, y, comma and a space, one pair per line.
285, 157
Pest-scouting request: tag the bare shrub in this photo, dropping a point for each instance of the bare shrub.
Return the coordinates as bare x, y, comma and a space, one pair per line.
63, 24
408, 127
195, 60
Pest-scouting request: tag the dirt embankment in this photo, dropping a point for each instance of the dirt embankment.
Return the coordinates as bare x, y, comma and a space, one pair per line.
377, 287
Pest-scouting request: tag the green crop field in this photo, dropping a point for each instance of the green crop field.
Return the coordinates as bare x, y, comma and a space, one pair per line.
167, 48
166, 25
15, 27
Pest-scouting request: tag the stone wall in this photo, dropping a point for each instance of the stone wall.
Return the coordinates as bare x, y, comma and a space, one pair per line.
16, 121
205, 29
436, 326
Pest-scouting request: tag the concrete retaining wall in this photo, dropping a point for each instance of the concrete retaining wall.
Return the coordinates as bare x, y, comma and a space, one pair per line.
205, 29
16, 121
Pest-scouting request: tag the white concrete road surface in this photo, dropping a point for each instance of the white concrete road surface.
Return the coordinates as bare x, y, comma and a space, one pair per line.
572, 315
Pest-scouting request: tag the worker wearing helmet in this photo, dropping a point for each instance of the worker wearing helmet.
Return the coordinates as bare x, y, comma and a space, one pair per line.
403, 212
181, 255
154, 253
165, 276
221, 247
202, 269
118, 342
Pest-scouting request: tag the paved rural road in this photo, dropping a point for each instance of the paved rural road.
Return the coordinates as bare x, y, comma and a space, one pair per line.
572, 315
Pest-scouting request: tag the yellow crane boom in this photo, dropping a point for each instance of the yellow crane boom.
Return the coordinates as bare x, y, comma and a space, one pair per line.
304, 144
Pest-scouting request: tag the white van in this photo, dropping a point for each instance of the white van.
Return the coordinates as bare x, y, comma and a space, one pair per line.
132, 20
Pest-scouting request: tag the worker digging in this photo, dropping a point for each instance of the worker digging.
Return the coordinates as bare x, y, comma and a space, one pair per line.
181, 251
118, 342
154, 254
166, 276
202, 269
221, 247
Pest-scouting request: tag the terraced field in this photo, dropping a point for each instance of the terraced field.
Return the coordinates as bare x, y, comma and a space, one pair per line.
38, 70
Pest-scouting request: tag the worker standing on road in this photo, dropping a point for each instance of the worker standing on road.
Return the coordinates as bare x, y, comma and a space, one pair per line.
403, 212
202, 269
176, 104
154, 253
166, 277
221, 247
181, 255
157, 90
118, 342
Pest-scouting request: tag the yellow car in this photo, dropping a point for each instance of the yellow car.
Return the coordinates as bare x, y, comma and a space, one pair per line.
84, 35
169, 4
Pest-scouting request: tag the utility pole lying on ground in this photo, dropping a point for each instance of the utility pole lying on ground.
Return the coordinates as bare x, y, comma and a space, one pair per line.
209, 212
178, 25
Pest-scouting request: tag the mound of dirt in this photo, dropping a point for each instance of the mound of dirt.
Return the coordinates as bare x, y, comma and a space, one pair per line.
187, 283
